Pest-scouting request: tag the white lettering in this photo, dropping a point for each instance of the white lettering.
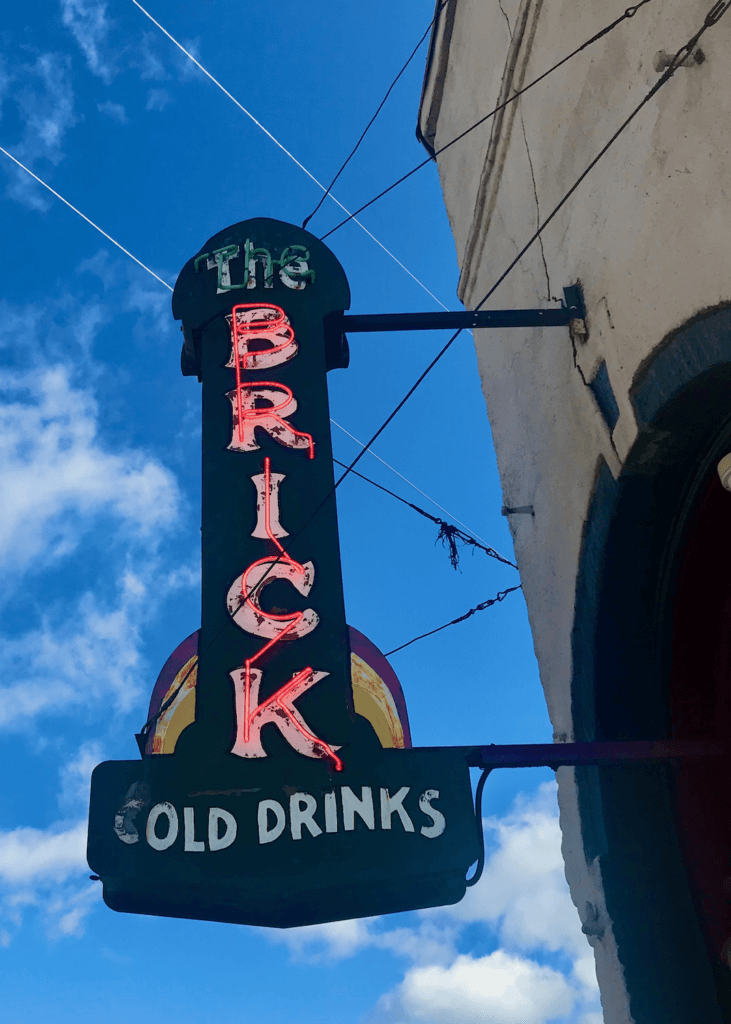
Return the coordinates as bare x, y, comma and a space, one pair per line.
266, 834
171, 814
438, 819
391, 805
192, 845
295, 270
265, 323
246, 407
331, 812
262, 256
221, 260
302, 809
279, 710
215, 841
276, 528
363, 807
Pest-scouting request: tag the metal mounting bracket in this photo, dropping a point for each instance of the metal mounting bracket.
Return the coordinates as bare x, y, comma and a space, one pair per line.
572, 309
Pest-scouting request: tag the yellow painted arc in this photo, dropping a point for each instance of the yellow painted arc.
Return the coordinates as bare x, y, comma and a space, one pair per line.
181, 712
373, 700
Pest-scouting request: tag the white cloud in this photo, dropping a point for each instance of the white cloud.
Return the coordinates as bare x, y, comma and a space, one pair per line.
146, 297
45, 100
146, 61
91, 659
523, 890
31, 855
56, 472
89, 24
65, 913
157, 99
63, 486
114, 110
76, 776
522, 901
429, 942
498, 988
42, 869
335, 940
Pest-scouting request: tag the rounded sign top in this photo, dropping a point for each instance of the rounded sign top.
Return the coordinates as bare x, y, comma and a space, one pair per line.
260, 258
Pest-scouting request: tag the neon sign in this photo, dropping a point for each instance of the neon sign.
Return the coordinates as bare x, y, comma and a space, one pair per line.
246, 611
275, 788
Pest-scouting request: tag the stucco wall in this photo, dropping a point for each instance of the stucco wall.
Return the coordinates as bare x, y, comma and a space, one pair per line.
647, 236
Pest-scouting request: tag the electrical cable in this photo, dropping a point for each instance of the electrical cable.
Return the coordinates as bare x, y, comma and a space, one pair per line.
447, 532
355, 148
287, 153
712, 18
629, 13
472, 533
478, 608
466, 539
84, 217
160, 280
714, 15
478, 814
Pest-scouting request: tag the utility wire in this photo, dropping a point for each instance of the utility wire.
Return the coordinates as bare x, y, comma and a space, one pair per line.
448, 533
291, 156
84, 217
629, 13
712, 18
478, 608
388, 465
355, 148
468, 540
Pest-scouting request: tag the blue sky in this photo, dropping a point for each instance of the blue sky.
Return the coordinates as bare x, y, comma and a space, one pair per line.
99, 458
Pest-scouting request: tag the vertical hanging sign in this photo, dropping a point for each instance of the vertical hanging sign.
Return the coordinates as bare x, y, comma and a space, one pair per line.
278, 805
273, 648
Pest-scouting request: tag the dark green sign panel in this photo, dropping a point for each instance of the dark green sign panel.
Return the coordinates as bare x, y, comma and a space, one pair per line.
282, 845
279, 805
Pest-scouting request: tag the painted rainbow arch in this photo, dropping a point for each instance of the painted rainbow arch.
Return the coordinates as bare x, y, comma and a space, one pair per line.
377, 694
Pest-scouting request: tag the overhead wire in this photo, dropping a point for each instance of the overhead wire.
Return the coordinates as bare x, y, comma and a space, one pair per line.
460, 618
291, 156
629, 13
84, 217
712, 18
448, 533
169, 287
388, 465
380, 107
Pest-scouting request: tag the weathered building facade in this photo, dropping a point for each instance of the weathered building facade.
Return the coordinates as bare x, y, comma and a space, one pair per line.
613, 436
